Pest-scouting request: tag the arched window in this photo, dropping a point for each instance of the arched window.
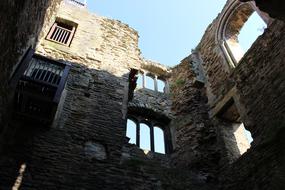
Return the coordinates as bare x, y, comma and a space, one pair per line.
148, 135
149, 82
250, 31
144, 136
160, 85
159, 143
238, 28
132, 131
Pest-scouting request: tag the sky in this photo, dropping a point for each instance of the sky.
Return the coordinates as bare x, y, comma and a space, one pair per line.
168, 29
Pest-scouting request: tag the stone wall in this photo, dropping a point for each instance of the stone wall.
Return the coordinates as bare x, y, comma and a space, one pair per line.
86, 147
21, 24
260, 84
196, 143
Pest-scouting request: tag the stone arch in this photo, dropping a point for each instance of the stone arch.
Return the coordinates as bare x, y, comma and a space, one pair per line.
231, 22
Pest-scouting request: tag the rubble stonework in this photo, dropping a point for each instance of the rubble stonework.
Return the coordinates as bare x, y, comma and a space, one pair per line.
205, 100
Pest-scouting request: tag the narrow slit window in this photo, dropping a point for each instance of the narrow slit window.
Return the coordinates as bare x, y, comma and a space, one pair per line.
131, 131
159, 145
144, 136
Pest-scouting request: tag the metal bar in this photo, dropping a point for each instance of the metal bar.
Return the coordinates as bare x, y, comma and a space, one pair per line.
70, 36
56, 76
21, 68
43, 83
67, 35
58, 34
61, 84
50, 75
47, 71
42, 71
60, 37
38, 69
52, 30
59, 77
33, 65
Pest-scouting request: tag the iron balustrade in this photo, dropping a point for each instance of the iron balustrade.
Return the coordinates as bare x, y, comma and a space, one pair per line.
39, 88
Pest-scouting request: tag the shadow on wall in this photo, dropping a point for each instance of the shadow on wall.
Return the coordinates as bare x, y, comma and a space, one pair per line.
20, 28
93, 113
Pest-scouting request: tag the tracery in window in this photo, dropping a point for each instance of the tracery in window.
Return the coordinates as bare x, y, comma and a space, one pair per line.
239, 27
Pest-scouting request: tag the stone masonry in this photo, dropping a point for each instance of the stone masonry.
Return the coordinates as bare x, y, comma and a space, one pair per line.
208, 101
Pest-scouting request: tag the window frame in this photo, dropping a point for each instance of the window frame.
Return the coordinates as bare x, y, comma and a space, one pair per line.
222, 34
151, 124
144, 74
53, 30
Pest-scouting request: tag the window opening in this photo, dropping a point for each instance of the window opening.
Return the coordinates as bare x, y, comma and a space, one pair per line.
251, 30
144, 136
149, 83
238, 30
160, 85
159, 145
131, 131
61, 33
140, 80
237, 139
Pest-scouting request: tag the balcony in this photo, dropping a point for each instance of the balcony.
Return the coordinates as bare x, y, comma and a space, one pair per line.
39, 88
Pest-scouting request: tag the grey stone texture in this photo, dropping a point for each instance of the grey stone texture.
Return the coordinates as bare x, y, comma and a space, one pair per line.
86, 146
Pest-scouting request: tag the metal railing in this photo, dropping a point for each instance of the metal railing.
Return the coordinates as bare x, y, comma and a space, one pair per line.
41, 71
39, 85
80, 3
60, 34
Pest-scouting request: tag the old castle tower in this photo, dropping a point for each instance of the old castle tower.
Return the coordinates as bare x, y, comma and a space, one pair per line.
81, 109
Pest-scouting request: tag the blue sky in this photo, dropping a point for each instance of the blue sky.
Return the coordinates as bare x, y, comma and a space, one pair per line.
168, 29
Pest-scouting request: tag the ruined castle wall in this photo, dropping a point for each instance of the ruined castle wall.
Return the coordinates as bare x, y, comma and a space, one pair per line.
86, 146
260, 84
21, 23
257, 87
196, 145
98, 42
